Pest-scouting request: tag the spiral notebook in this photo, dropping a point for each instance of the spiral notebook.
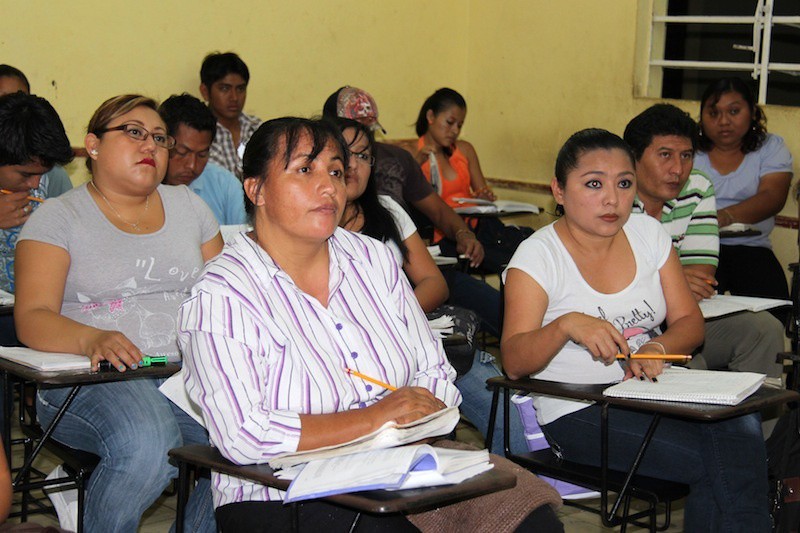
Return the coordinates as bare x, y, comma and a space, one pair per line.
691, 386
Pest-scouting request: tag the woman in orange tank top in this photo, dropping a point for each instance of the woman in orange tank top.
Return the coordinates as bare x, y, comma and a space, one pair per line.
457, 172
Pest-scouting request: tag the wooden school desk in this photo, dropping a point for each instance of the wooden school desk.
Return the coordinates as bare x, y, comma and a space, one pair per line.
764, 397
371, 501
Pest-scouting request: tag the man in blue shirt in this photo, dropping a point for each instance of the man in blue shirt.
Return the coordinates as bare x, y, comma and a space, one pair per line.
55, 182
194, 127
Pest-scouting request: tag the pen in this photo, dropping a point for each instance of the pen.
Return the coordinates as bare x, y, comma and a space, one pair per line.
654, 356
371, 380
31, 198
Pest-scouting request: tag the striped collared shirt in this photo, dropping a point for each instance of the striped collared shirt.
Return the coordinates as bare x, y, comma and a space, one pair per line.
691, 221
258, 351
224, 153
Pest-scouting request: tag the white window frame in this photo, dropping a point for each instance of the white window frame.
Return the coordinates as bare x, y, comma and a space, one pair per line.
651, 36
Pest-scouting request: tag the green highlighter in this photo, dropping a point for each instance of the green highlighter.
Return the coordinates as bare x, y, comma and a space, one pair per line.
147, 360
153, 360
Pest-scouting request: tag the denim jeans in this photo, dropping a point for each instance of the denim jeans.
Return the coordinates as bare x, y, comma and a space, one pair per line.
724, 463
477, 402
130, 425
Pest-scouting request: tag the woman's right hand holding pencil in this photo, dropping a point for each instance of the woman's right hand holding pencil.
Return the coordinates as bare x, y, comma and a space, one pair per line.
599, 336
405, 405
646, 368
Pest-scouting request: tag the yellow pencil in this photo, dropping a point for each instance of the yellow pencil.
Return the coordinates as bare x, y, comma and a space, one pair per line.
654, 356
31, 198
371, 380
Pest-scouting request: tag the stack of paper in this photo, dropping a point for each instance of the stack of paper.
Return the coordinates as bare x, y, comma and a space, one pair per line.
405, 467
726, 304
46, 361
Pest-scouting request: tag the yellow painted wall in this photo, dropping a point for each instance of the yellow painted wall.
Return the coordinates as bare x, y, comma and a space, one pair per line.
541, 70
532, 71
78, 53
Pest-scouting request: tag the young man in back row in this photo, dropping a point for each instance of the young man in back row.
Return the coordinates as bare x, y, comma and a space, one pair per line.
664, 141
194, 128
223, 84
56, 181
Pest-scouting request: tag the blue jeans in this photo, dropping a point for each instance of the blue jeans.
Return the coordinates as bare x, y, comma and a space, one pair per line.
130, 425
724, 463
477, 403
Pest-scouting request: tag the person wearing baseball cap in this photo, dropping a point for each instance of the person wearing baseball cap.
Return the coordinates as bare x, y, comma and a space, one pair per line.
398, 175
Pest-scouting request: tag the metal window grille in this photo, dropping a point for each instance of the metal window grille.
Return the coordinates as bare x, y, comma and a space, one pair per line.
760, 67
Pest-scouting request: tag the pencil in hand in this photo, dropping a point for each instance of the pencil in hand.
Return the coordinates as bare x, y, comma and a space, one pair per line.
664, 357
371, 380
30, 198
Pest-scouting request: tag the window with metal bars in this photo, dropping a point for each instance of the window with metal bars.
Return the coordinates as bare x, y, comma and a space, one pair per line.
692, 42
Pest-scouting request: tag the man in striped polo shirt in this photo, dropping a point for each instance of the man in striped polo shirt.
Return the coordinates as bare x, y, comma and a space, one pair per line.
664, 140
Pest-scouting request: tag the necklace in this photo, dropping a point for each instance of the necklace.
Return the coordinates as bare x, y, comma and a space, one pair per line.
134, 225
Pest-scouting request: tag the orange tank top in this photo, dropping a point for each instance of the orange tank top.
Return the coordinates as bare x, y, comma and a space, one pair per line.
460, 187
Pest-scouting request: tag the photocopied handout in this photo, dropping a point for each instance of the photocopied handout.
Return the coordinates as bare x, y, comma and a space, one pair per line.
726, 304
398, 468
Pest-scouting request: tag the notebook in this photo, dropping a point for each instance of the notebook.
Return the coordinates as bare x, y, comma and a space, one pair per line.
389, 435
400, 468
45, 361
692, 386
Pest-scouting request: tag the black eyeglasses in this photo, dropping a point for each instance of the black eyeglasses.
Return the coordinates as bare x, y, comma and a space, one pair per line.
138, 133
361, 157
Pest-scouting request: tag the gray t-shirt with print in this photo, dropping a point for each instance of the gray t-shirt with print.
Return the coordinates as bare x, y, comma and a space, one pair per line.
122, 281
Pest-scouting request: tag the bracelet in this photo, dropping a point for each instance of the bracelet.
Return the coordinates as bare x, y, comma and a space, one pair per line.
464, 230
483, 190
656, 343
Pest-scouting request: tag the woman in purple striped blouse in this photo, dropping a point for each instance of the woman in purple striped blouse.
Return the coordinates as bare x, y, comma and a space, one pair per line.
275, 320
273, 323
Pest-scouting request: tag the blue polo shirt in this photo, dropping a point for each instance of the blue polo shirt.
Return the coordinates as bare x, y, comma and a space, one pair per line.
223, 193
